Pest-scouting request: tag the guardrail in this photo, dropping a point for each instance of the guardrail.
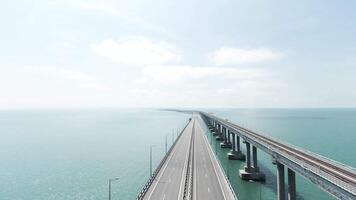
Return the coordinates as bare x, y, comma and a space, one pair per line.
153, 176
188, 183
226, 178
313, 170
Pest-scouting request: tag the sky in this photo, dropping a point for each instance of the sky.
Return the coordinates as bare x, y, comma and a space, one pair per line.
177, 54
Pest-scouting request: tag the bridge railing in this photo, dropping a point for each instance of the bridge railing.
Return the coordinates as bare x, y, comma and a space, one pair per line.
317, 171
225, 176
312, 168
154, 174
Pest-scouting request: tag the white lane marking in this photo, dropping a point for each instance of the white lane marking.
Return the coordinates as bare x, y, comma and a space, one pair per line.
184, 169
195, 166
206, 175
169, 179
208, 189
164, 168
211, 160
164, 196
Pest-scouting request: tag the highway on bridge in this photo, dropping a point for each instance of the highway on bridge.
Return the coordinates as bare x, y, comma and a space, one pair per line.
191, 171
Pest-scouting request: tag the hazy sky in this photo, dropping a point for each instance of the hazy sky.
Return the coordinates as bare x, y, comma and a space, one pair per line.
139, 53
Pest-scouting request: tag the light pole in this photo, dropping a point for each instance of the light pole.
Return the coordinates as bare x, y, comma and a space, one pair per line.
216, 148
172, 137
111, 180
151, 146
166, 144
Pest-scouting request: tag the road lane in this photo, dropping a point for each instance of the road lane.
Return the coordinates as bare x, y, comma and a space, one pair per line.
169, 183
209, 179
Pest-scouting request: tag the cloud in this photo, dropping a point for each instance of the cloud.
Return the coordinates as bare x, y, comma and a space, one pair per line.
232, 55
62, 77
179, 74
198, 86
137, 51
111, 7
76, 76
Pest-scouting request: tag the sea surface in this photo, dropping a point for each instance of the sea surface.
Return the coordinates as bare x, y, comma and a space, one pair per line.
71, 154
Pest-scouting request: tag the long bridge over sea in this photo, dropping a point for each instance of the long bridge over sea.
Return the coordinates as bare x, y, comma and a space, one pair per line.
191, 171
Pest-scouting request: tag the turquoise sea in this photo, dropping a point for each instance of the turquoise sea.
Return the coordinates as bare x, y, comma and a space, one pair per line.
71, 154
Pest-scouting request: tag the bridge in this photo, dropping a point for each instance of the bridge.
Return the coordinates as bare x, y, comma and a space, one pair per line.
190, 169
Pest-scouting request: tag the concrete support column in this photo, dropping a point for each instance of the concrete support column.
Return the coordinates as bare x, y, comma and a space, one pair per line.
224, 133
220, 134
228, 136
215, 131
237, 143
233, 141
248, 157
280, 182
254, 157
251, 173
235, 154
291, 185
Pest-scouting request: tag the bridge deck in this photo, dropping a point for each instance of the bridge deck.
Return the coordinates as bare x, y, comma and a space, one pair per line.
337, 179
208, 179
211, 183
169, 182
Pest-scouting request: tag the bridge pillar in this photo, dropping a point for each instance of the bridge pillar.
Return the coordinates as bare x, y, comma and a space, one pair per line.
280, 182
235, 153
220, 136
237, 143
216, 127
254, 158
291, 185
228, 136
226, 143
251, 173
212, 127
248, 154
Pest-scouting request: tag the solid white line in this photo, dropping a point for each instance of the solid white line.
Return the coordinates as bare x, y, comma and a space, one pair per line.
216, 173
195, 168
184, 169
166, 164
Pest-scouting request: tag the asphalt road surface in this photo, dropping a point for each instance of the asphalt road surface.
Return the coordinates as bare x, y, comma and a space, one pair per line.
209, 181
169, 182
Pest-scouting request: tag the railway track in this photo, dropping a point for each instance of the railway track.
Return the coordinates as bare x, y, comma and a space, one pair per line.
345, 175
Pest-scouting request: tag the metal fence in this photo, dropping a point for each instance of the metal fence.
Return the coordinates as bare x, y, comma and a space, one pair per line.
154, 174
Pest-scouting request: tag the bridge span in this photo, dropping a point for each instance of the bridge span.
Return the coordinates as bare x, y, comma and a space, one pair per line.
189, 170
335, 178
